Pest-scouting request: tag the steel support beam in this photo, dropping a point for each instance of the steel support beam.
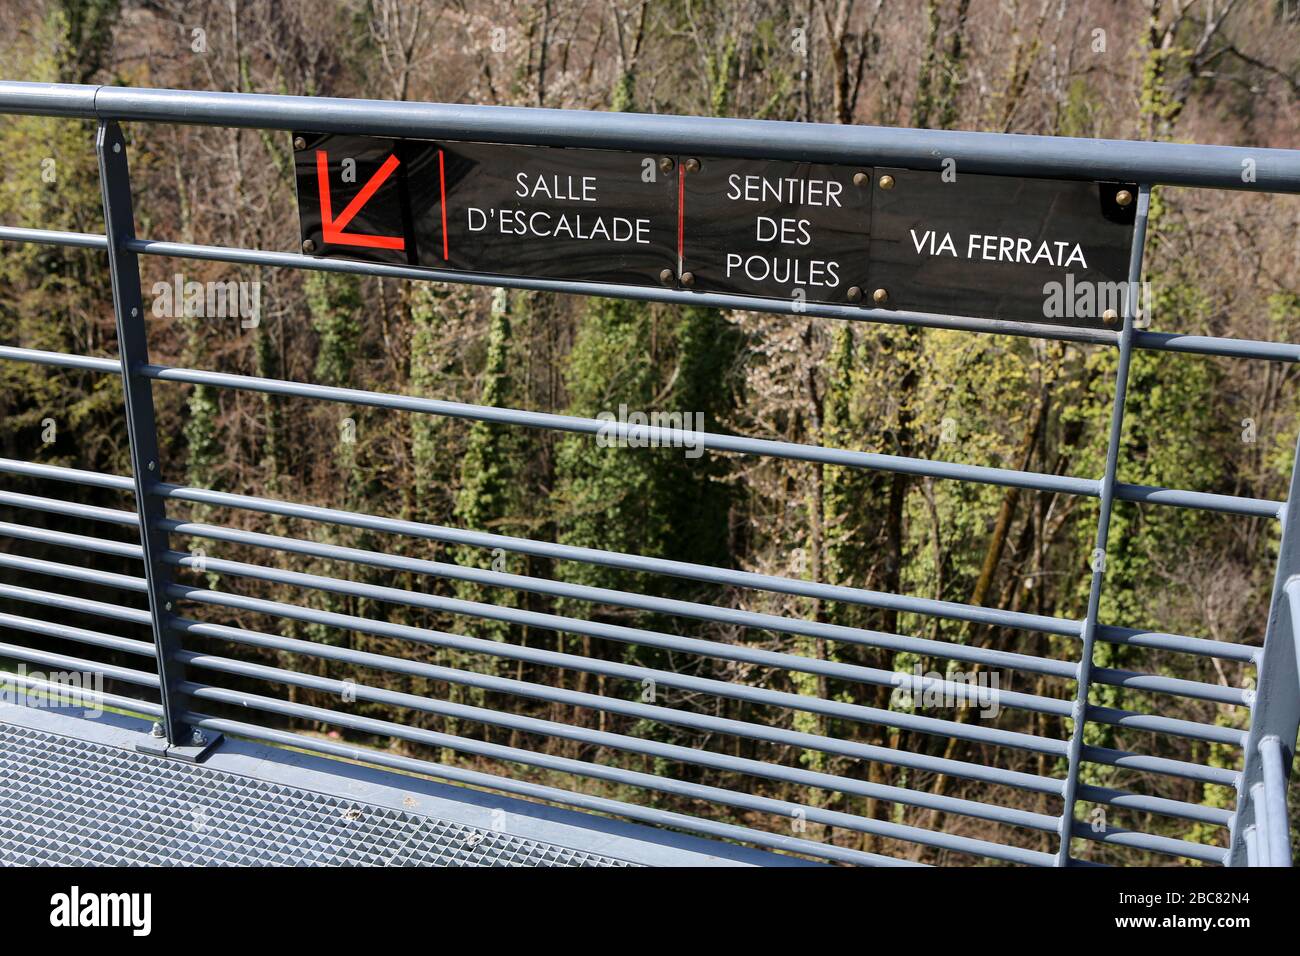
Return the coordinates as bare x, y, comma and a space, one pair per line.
1106, 500
179, 739
1275, 716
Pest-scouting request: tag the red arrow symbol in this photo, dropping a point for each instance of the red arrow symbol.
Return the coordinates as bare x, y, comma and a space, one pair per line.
332, 228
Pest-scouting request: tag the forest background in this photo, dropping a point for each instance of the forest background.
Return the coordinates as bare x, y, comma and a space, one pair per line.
1219, 263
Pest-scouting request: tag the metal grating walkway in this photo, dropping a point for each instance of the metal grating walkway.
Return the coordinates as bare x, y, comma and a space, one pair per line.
65, 801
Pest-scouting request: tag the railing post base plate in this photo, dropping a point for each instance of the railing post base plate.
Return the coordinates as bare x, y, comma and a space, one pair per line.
189, 753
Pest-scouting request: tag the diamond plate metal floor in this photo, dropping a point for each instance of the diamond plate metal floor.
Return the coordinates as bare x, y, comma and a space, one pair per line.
67, 801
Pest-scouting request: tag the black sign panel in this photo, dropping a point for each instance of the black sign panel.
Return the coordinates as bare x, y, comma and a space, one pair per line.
1030, 250
754, 227
592, 214
595, 215
1027, 250
352, 197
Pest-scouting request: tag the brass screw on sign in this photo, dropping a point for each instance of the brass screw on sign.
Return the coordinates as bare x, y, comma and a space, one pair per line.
1123, 197
861, 179
688, 278
308, 246
854, 293
299, 143
665, 275
880, 297
1110, 316
692, 165
886, 182
666, 164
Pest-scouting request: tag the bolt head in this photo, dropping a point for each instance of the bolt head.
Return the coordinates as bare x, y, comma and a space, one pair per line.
1110, 317
156, 730
855, 293
666, 276
1123, 197
299, 143
117, 147
861, 179
886, 182
688, 278
308, 246
692, 165
666, 164
197, 738
151, 465
880, 296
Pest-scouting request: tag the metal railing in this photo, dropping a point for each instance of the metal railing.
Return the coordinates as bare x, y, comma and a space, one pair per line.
173, 671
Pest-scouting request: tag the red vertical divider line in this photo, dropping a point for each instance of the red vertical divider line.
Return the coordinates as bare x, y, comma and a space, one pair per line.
323, 188
442, 185
681, 217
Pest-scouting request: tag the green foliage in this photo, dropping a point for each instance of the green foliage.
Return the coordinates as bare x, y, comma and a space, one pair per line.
56, 298
996, 401
652, 501
335, 304
491, 476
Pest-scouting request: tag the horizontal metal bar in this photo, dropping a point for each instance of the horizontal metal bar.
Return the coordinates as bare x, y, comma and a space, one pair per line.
55, 691
81, 635
772, 622
71, 509
732, 690
1156, 684
1157, 640
630, 635
1142, 803
617, 775
54, 237
64, 539
671, 752
1118, 836
946, 609
682, 297
1278, 829
89, 363
673, 437
72, 573
74, 665
614, 559
904, 603
1142, 338
1160, 765
503, 784
70, 100
665, 715
1216, 345
1131, 720
726, 689
1057, 157
1199, 500
575, 287
81, 605
75, 476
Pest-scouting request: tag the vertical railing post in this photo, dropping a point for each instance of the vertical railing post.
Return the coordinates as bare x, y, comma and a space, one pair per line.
178, 739
1106, 499
1275, 711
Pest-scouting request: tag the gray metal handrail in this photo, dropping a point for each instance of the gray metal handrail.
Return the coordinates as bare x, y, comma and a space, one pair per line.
1257, 829
1052, 157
